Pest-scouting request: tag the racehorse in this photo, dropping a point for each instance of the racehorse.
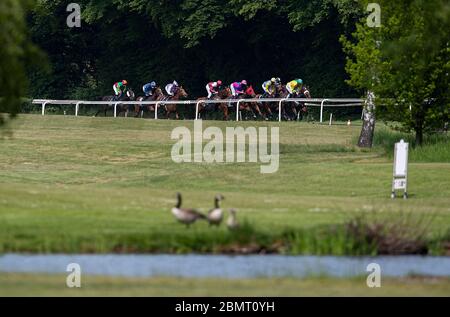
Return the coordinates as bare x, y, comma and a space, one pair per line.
282, 92
127, 96
265, 106
179, 93
296, 109
302, 108
157, 96
251, 107
224, 93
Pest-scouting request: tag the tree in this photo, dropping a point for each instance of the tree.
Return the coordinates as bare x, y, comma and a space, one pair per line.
16, 53
405, 63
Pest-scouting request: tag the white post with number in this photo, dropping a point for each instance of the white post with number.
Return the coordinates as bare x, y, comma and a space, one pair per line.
400, 173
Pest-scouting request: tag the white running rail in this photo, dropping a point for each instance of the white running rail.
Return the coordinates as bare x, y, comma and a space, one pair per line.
313, 102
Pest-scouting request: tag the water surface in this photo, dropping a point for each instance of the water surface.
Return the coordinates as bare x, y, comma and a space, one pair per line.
222, 266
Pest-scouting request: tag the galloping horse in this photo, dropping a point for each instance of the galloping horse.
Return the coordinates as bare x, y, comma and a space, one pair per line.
224, 93
296, 109
302, 109
265, 106
251, 107
127, 96
282, 92
179, 93
157, 96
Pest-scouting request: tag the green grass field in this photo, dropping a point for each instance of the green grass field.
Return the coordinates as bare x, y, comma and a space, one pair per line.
87, 184
54, 285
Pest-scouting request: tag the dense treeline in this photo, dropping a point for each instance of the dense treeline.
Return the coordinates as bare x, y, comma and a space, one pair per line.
193, 42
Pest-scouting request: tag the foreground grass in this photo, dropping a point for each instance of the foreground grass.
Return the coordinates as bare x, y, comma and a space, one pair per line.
54, 285
106, 185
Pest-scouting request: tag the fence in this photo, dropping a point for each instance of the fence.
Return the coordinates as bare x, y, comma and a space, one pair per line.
314, 102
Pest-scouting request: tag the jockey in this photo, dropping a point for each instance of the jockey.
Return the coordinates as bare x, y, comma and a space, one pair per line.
277, 82
238, 88
172, 88
294, 87
119, 88
149, 89
210, 88
269, 87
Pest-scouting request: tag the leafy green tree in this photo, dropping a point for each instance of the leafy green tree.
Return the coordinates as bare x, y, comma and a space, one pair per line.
405, 63
16, 53
71, 52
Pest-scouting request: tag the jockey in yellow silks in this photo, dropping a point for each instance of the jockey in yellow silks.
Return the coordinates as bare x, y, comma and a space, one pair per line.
294, 87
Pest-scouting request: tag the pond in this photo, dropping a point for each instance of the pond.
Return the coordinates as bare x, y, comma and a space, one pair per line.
222, 266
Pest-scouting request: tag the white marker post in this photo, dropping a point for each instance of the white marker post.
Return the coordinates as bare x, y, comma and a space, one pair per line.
400, 174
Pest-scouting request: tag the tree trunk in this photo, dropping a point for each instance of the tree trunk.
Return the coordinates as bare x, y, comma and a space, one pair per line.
420, 119
368, 127
419, 136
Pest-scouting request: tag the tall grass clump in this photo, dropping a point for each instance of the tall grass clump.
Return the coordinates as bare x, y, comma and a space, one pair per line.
435, 147
364, 235
440, 244
402, 234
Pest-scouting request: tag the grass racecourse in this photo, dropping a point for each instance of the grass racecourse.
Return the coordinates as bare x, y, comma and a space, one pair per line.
101, 185
54, 285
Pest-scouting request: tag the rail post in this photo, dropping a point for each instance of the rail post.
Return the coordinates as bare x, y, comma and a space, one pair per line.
237, 108
196, 109
115, 109
280, 104
77, 108
156, 110
43, 107
321, 109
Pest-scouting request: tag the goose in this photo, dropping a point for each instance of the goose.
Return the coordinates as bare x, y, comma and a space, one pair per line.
232, 222
215, 215
186, 215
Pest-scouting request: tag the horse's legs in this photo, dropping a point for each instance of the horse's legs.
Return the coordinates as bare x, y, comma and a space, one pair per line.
248, 108
201, 111
265, 110
268, 110
256, 108
225, 112
153, 109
